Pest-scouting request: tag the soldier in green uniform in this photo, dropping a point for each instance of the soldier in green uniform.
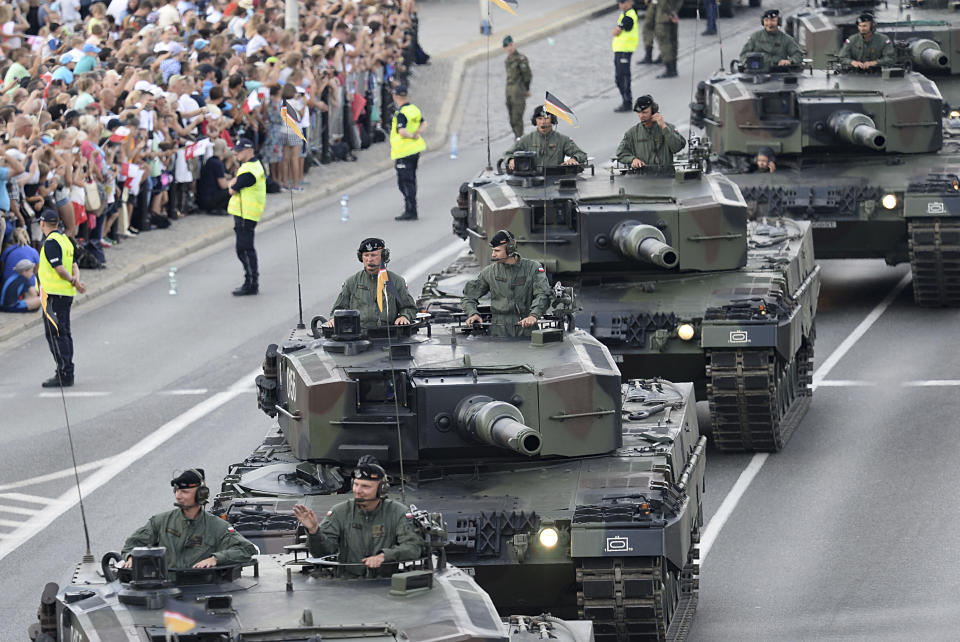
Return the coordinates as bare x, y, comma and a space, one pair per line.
193, 537
367, 531
649, 32
867, 49
518, 84
651, 142
550, 146
667, 24
359, 292
519, 292
778, 49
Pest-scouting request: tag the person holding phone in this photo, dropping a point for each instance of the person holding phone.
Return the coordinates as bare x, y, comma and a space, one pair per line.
653, 141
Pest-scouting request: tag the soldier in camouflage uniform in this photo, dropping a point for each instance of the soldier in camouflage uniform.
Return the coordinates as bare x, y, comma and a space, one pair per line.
649, 32
368, 531
550, 146
867, 49
778, 49
653, 141
666, 32
518, 84
519, 292
359, 292
193, 537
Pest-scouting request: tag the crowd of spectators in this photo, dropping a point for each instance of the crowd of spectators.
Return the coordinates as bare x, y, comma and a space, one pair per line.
121, 116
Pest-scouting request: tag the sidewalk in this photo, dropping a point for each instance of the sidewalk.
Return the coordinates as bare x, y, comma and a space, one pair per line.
450, 33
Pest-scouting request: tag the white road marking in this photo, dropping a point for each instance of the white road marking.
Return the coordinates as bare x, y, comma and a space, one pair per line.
846, 383
7, 522
729, 503
184, 393
931, 383
18, 510
113, 466
66, 472
72, 394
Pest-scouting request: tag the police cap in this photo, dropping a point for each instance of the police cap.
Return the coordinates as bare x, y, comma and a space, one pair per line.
49, 216
190, 478
243, 143
399, 90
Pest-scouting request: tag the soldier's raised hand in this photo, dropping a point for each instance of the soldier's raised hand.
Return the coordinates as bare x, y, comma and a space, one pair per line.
306, 517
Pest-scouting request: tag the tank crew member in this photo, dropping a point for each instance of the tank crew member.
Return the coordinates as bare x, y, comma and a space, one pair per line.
248, 196
406, 143
765, 161
649, 33
651, 142
778, 49
518, 84
359, 292
59, 278
626, 37
550, 146
519, 292
667, 26
369, 529
193, 537
867, 49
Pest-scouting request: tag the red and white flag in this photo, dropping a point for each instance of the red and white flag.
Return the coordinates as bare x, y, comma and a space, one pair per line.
252, 102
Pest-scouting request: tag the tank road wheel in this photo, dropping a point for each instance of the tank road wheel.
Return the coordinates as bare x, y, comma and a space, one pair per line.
624, 596
934, 248
757, 400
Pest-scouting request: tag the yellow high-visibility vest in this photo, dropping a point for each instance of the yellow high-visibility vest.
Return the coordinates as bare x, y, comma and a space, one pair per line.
401, 147
249, 202
627, 40
50, 280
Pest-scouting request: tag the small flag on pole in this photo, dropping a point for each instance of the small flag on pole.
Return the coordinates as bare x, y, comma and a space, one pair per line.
555, 106
251, 103
176, 622
385, 286
507, 5
291, 122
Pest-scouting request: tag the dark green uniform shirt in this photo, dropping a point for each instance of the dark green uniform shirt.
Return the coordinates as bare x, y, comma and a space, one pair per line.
518, 74
354, 534
550, 149
190, 540
653, 145
516, 291
359, 292
774, 47
879, 48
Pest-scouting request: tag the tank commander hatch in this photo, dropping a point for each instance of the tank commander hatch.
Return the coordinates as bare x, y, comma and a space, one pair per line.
367, 531
550, 146
653, 141
778, 49
519, 292
867, 49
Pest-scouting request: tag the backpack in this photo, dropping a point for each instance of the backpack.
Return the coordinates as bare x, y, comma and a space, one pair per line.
89, 256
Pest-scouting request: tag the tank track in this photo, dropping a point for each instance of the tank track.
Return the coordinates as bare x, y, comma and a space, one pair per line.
755, 403
934, 249
631, 599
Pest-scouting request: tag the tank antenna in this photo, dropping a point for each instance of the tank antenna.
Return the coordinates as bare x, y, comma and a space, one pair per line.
296, 239
88, 555
693, 72
719, 35
396, 402
489, 35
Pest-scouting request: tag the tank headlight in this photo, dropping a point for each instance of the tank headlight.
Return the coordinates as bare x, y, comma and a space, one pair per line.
548, 537
954, 114
686, 331
889, 201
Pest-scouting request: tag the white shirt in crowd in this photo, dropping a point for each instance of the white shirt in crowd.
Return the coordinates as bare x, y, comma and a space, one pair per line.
70, 11
256, 43
168, 15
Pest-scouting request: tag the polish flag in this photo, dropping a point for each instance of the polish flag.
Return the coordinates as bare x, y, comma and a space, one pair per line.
252, 102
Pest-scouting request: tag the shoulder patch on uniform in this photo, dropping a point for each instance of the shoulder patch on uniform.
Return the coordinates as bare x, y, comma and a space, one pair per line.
231, 529
540, 269
847, 41
409, 515
329, 513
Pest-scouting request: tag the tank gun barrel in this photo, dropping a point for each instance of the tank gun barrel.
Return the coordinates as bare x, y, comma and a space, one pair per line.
856, 129
497, 423
926, 54
645, 243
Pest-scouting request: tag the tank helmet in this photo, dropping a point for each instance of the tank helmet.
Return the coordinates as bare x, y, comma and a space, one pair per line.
771, 13
373, 244
866, 16
369, 469
541, 112
193, 478
767, 152
643, 102
505, 237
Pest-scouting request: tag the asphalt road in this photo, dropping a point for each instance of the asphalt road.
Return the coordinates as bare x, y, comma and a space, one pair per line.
849, 533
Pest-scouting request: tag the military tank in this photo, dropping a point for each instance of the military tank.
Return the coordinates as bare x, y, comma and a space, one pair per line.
563, 489
865, 158
926, 35
670, 275
277, 597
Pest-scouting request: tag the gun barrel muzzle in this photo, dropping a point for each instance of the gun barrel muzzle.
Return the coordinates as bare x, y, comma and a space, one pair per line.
926, 54
497, 423
857, 129
644, 243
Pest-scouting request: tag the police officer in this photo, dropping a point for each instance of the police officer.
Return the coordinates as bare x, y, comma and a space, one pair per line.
367, 531
248, 196
666, 33
867, 49
519, 292
551, 147
778, 49
193, 537
518, 84
649, 33
59, 277
406, 143
359, 292
651, 142
626, 37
